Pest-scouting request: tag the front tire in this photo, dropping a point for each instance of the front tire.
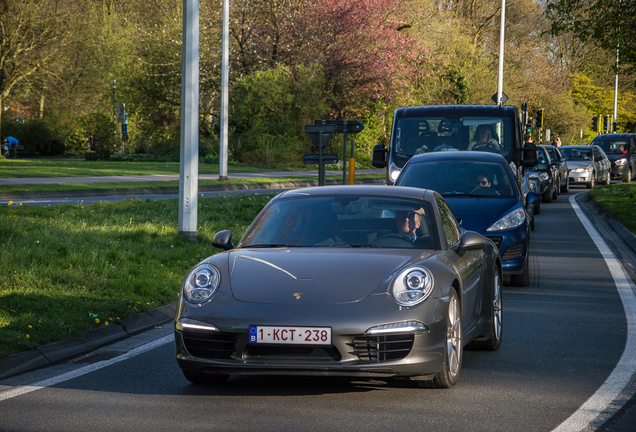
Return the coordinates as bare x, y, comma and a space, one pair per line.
555, 193
566, 187
493, 342
522, 280
628, 178
453, 352
590, 185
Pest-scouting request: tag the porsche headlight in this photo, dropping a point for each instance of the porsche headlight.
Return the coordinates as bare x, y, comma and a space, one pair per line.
201, 283
620, 162
511, 220
544, 176
579, 170
412, 286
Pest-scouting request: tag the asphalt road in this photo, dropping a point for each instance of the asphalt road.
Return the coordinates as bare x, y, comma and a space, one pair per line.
563, 337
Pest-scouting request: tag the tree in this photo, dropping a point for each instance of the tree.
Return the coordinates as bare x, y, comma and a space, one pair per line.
33, 37
609, 23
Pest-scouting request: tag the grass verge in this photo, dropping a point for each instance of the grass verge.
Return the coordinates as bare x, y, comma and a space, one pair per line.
620, 201
66, 269
111, 186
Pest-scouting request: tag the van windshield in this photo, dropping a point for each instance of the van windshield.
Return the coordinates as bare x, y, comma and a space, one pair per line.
416, 135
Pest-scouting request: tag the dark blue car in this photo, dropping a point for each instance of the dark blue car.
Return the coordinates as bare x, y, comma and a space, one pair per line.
485, 197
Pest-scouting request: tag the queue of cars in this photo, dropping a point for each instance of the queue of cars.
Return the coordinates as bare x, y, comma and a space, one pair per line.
384, 281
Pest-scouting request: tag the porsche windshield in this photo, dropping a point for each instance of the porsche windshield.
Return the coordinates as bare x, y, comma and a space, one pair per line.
416, 135
345, 221
460, 178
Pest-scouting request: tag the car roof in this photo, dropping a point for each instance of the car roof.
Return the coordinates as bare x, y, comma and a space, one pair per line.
459, 155
458, 110
580, 147
379, 190
612, 137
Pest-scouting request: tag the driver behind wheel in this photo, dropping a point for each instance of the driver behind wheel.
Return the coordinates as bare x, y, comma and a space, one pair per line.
484, 139
407, 223
484, 183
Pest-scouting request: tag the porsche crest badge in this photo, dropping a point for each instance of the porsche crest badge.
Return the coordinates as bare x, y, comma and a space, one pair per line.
297, 295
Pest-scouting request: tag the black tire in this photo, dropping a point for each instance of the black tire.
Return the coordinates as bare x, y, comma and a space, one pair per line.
557, 188
523, 279
493, 341
547, 197
201, 378
453, 352
537, 208
566, 187
590, 185
532, 223
628, 178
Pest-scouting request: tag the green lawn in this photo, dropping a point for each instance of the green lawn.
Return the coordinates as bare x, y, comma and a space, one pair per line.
620, 201
69, 268
21, 168
111, 186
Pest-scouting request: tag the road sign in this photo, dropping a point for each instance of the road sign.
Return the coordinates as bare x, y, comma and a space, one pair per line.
324, 130
327, 158
124, 129
348, 126
504, 98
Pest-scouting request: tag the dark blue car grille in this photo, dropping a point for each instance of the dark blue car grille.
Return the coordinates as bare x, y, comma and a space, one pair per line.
209, 345
376, 349
513, 252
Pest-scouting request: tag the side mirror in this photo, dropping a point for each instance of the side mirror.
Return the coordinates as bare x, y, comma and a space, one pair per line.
471, 241
223, 240
533, 198
529, 158
379, 156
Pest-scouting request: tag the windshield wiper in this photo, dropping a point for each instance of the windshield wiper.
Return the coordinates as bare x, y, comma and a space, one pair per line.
454, 193
352, 246
268, 245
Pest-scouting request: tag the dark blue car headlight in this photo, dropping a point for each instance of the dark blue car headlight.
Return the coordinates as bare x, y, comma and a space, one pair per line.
201, 283
412, 286
512, 220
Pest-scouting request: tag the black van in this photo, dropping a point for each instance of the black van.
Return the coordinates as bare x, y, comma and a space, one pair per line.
425, 129
621, 152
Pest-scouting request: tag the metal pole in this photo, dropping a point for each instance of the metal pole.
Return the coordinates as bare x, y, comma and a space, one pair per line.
321, 162
114, 113
189, 161
501, 53
225, 59
344, 153
616, 91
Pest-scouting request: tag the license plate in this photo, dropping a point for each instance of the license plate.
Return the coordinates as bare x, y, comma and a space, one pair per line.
290, 335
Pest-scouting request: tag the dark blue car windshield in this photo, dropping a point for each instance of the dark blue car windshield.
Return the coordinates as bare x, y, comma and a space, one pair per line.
457, 178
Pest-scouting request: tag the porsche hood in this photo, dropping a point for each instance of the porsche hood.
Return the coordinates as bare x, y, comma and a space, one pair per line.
314, 276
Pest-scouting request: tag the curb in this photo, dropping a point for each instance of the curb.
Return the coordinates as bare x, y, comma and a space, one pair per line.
59, 352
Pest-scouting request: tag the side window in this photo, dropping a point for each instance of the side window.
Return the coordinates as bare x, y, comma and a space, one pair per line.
632, 144
449, 224
597, 154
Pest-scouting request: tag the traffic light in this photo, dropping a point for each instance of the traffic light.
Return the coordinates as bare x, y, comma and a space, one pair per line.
595, 123
606, 121
540, 118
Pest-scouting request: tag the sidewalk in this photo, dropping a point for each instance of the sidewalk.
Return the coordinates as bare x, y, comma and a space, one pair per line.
172, 177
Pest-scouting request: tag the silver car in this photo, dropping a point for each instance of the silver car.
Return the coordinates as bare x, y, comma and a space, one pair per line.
588, 165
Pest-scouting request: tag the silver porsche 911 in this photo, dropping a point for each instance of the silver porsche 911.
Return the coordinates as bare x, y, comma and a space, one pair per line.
367, 281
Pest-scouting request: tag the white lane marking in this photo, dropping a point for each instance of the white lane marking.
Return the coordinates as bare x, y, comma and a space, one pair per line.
620, 377
83, 371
